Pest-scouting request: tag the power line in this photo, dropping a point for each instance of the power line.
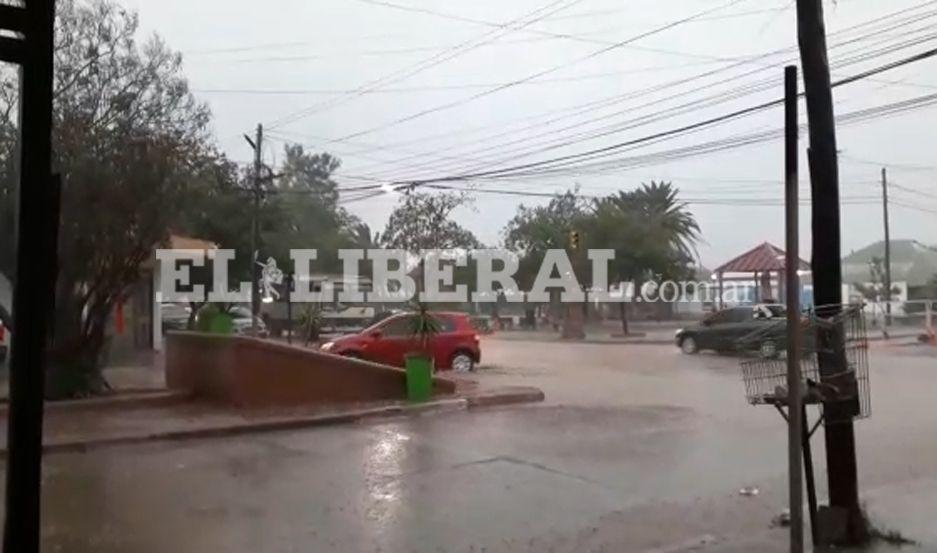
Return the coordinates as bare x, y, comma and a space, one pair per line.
680, 130
454, 52
614, 128
594, 105
434, 88
545, 33
859, 116
537, 74
541, 34
913, 190
707, 147
898, 166
768, 201
914, 207
729, 143
383, 52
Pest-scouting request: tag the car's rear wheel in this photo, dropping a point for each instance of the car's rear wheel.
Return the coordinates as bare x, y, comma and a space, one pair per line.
462, 362
688, 345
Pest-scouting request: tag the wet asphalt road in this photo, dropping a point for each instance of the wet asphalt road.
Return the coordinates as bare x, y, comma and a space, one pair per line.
637, 448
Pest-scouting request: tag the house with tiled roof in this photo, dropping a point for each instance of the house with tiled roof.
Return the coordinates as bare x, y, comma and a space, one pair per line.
913, 271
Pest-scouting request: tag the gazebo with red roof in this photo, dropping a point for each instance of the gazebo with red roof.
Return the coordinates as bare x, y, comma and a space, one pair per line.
761, 262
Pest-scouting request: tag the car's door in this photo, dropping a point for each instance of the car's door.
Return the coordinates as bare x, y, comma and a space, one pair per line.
732, 324
444, 343
709, 335
394, 340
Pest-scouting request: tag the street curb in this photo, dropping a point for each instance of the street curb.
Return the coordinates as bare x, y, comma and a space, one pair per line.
137, 398
511, 396
619, 342
251, 427
441, 406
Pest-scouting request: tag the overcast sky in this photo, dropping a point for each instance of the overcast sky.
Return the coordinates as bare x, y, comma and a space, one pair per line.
354, 78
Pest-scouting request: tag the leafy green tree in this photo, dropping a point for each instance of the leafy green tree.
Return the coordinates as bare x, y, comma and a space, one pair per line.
535, 230
129, 141
301, 210
651, 231
422, 221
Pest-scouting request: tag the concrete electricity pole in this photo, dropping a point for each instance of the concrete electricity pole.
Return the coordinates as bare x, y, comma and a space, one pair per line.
842, 472
887, 248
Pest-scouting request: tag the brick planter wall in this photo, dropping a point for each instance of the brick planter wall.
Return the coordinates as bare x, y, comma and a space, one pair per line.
249, 372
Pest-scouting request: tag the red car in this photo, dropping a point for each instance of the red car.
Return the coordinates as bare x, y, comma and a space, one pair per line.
454, 347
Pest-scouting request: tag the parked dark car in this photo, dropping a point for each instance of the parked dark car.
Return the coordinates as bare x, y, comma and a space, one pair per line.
760, 328
455, 346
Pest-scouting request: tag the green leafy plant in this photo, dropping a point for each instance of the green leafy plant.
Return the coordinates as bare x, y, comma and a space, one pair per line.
424, 327
310, 323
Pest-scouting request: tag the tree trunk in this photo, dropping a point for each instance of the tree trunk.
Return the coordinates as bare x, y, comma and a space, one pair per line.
75, 356
623, 313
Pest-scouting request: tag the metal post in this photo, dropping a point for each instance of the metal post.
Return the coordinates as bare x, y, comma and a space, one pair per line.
288, 292
809, 480
929, 316
33, 296
721, 301
791, 265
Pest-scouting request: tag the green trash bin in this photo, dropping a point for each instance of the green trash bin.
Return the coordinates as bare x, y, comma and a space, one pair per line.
210, 319
419, 377
222, 323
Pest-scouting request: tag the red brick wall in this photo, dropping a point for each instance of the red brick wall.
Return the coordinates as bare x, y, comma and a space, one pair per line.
250, 372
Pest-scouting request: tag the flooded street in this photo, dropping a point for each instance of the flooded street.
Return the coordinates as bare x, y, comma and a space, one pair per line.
637, 448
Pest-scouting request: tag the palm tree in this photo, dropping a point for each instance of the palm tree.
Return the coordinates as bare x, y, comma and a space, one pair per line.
652, 232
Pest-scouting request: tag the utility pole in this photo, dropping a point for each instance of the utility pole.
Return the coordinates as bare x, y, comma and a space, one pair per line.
842, 472
256, 189
792, 288
887, 248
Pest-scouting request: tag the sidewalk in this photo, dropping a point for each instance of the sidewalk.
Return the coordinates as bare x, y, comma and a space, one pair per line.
664, 335
142, 416
646, 336
121, 379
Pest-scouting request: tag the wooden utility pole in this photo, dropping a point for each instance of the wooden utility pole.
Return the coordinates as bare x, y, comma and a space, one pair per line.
842, 474
792, 288
887, 248
256, 144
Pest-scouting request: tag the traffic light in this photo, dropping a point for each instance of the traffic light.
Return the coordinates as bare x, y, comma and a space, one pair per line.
574, 239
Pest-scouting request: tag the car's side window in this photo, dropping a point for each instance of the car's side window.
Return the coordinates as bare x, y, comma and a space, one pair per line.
721, 317
742, 315
445, 324
400, 327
